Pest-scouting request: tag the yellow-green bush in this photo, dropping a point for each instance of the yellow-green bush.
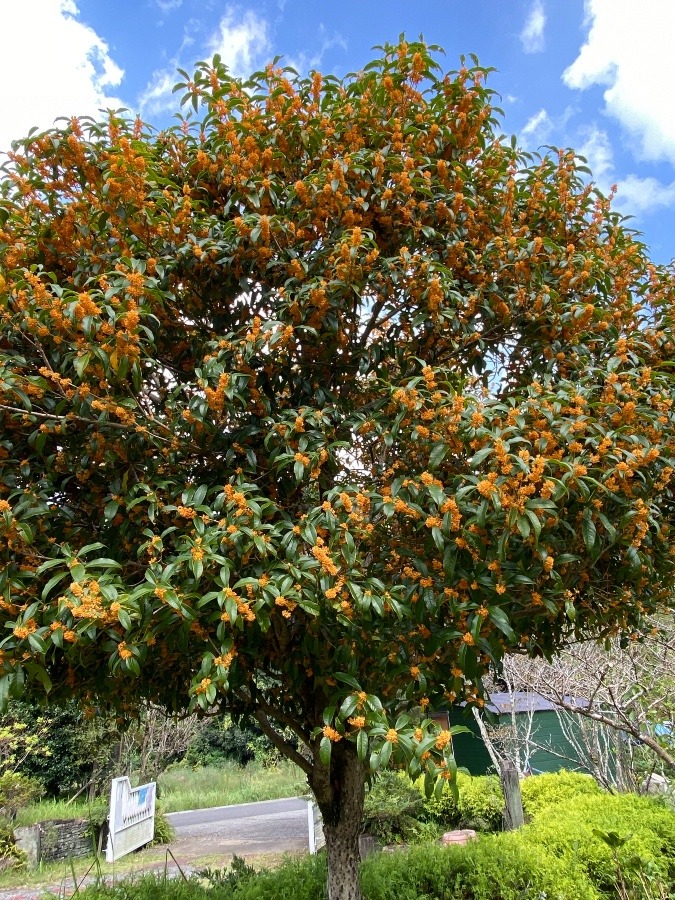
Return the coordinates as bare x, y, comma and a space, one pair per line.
540, 791
16, 792
495, 867
570, 832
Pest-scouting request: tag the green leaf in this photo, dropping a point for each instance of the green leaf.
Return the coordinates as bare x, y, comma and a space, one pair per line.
81, 363
348, 706
524, 527
437, 494
609, 528
535, 520
634, 558
5, 684
501, 620
385, 754
110, 510
480, 457
347, 679
199, 495
325, 748
52, 583
77, 572
565, 558
437, 455
37, 643
362, 745
588, 530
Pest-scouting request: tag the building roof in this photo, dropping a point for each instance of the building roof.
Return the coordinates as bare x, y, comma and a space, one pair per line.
504, 703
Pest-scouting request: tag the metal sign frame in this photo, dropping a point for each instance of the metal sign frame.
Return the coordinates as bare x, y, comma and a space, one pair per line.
131, 821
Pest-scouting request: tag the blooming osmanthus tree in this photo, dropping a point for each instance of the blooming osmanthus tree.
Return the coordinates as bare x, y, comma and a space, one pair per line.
314, 405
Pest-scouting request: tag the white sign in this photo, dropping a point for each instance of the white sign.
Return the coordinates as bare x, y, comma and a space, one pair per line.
315, 828
132, 817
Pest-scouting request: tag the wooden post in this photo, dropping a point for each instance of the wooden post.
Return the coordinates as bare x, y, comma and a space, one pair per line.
513, 813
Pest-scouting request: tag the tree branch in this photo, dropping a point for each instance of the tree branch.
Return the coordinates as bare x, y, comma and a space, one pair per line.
281, 745
629, 728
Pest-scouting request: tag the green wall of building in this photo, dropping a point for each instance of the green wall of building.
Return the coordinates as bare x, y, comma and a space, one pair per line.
471, 753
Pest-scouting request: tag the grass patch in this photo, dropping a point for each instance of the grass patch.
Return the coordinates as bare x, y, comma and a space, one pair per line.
186, 788
95, 811
183, 788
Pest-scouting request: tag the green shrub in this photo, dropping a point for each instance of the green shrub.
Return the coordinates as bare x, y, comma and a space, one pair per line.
480, 804
393, 811
16, 792
539, 791
221, 741
164, 830
10, 854
573, 832
235, 874
66, 748
494, 867
302, 879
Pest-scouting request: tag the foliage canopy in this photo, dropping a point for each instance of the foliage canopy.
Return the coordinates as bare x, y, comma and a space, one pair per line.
316, 403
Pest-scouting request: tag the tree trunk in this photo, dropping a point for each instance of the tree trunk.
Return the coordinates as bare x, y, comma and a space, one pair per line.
340, 793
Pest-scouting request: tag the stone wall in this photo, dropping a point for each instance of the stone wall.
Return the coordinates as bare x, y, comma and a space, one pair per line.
55, 839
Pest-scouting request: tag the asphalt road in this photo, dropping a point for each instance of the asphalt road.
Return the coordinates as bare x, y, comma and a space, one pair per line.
271, 826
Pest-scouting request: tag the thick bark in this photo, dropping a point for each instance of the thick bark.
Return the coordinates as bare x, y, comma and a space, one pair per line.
513, 812
340, 793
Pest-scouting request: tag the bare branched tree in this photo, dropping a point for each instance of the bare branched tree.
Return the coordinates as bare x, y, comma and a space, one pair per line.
621, 698
157, 740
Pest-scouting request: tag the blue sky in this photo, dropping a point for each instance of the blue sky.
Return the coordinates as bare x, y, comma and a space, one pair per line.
596, 75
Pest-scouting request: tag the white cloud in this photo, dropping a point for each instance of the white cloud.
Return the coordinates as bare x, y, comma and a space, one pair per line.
597, 149
168, 5
537, 130
305, 61
59, 67
629, 49
635, 194
638, 195
158, 96
532, 35
241, 39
